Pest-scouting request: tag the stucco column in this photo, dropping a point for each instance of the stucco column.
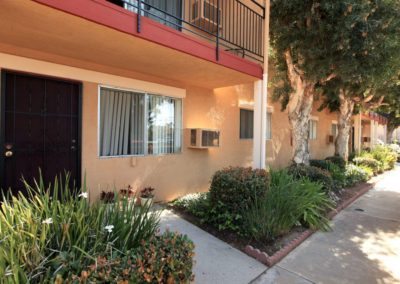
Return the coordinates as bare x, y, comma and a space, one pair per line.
372, 133
357, 133
261, 102
260, 125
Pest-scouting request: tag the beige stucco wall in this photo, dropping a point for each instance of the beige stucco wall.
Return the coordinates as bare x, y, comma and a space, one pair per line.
171, 175
191, 170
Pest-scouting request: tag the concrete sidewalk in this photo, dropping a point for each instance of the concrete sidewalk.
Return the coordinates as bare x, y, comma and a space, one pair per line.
216, 261
363, 246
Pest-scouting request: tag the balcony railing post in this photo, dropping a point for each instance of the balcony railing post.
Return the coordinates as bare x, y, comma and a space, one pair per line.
139, 20
217, 36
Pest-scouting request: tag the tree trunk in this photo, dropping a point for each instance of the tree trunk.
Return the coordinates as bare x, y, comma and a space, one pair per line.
344, 125
299, 108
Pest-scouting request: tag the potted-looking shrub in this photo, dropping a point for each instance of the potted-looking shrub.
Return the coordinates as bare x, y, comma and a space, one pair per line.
147, 196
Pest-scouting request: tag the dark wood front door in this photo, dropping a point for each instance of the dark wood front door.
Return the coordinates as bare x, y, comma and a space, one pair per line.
40, 129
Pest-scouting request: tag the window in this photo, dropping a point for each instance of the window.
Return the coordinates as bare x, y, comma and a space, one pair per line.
247, 124
135, 124
334, 130
269, 126
312, 131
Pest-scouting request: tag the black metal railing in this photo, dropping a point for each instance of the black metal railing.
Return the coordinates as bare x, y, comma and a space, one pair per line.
230, 24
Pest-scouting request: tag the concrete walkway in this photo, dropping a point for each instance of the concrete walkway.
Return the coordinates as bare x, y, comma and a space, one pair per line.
216, 261
363, 246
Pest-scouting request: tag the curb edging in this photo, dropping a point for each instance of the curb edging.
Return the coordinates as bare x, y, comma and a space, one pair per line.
270, 261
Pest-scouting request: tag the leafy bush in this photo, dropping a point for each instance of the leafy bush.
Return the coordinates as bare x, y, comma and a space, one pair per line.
54, 234
385, 155
232, 191
162, 259
338, 175
355, 175
236, 187
197, 204
314, 174
289, 202
322, 164
338, 161
368, 161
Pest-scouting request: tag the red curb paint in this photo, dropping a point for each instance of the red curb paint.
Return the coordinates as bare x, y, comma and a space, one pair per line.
272, 260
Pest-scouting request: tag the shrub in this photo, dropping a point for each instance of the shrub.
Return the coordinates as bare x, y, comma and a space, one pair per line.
232, 191
289, 202
53, 234
322, 164
367, 161
336, 172
385, 155
162, 259
337, 160
236, 187
197, 204
314, 174
355, 175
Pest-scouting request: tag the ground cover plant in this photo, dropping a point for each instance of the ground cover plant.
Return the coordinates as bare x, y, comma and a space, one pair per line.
54, 235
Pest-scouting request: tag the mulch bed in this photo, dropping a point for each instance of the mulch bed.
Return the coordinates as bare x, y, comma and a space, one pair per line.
271, 252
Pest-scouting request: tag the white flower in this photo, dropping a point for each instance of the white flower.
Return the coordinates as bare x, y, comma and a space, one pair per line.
48, 221
84, 195
109, 228
125, 221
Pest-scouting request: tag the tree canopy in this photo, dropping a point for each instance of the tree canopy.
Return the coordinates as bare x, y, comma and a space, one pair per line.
354, 43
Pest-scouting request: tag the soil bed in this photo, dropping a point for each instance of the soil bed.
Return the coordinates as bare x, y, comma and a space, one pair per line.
270, 247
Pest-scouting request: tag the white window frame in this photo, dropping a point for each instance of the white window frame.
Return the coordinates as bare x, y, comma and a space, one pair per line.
146, 94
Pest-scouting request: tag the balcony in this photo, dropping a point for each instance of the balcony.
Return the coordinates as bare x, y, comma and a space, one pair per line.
101, 36
230, 25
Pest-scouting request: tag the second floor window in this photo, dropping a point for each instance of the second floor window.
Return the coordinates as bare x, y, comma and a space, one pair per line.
137, 124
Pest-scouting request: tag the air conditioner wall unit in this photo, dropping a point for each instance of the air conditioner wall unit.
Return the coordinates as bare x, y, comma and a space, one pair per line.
201, 138
204, 14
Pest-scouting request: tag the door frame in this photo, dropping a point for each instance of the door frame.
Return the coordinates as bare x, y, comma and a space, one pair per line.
3, 72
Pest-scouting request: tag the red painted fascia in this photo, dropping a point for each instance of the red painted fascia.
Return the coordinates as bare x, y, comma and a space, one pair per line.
110, 15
